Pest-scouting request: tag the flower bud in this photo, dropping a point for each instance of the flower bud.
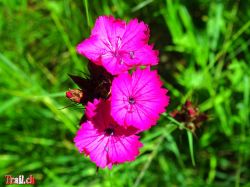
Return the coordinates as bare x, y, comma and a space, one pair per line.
190, 116
75, 95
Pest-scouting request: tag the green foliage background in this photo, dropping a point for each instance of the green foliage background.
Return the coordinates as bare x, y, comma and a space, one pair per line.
204, 56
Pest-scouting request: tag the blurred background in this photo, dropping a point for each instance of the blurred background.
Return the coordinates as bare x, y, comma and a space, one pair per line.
204, 57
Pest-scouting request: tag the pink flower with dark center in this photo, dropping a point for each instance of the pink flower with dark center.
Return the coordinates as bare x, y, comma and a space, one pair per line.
103, 140
118, 46
138, 99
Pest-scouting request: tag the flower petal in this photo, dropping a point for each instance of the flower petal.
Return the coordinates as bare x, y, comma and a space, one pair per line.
106, 149
118, 46
109, 29
150, 99
104, 36
92, 48
124, 149
138, 56
114, 65
136, 34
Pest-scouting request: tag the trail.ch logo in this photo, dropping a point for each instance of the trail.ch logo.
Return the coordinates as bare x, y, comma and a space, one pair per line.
19, 179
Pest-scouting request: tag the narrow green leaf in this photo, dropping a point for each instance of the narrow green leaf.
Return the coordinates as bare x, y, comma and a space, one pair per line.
141, 5
86, 5
191, 148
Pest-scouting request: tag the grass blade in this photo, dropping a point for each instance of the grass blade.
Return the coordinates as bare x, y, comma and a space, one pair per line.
191, 148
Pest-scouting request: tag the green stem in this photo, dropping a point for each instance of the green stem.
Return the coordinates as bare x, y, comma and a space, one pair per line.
174, 121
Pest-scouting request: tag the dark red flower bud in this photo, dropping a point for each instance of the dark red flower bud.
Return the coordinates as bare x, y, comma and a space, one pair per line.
190, 116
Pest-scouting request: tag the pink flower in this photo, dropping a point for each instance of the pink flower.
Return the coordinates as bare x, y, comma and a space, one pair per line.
138, 100
118, 46
103, 140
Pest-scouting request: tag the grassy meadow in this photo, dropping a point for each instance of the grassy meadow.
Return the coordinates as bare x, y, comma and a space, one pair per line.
204, 57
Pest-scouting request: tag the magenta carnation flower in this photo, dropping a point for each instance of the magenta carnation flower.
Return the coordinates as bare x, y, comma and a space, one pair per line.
103, 140
138, 100
118, 46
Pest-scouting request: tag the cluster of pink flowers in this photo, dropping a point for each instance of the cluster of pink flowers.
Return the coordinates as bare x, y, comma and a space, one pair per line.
136, 96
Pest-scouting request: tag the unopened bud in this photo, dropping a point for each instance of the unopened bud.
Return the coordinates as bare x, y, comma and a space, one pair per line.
75, 95
190, 116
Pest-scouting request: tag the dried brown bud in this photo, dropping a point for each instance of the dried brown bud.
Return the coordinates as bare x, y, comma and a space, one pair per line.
75, 95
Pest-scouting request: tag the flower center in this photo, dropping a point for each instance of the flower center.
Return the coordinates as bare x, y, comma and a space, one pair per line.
109, 131
131, 100
132, 54
117, 47
116, 53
